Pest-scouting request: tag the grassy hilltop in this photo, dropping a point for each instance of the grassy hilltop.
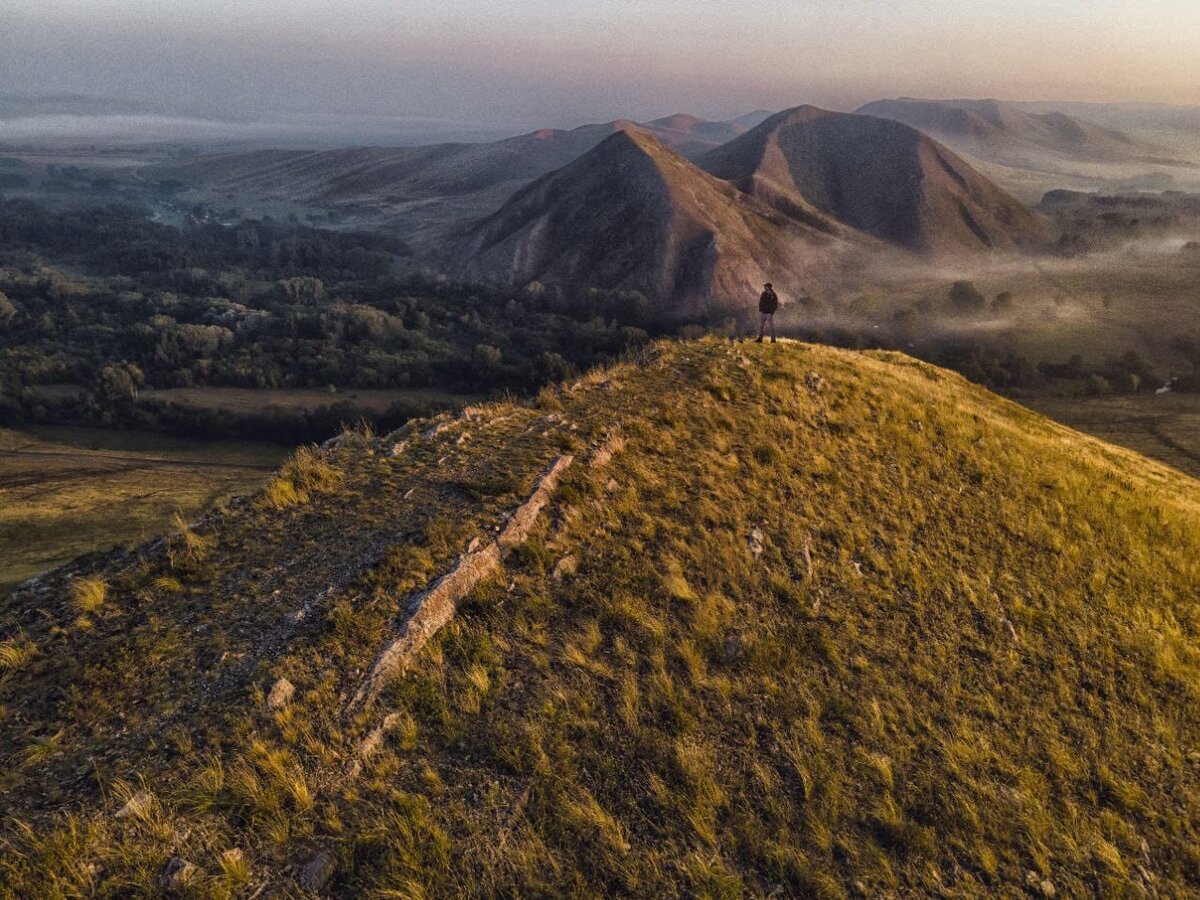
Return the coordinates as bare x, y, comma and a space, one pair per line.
794, 621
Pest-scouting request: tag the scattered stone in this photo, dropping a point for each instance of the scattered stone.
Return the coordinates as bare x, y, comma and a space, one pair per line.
408, 494
233, 857
1047, 888
1011, 629
808, 560
612, 445
136, 806
431, 609
815, 383
373, 741
281, 694
917, 425
612, 485
315, 874
755, 540
733, 647
474, 545
565, 567
397, 449
463, 438
177, 874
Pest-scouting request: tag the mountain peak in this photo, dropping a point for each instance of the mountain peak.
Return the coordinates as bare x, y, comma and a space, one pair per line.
879, 176
631, 214
678, 122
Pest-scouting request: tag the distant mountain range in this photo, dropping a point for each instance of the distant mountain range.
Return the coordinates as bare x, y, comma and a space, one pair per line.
425, 190
1007, 132
383, 174
685, 210
788, 201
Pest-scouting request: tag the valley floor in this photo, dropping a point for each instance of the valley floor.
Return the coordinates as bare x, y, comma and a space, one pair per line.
68, 491
1166, 427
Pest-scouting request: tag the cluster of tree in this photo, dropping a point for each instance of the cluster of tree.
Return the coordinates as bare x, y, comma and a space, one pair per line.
122, 239
266, 305
1127, 373
966, 299
1091, 223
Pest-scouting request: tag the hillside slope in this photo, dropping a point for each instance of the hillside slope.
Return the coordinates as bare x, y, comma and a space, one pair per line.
878, 176
429, 186
632, 215
777, 620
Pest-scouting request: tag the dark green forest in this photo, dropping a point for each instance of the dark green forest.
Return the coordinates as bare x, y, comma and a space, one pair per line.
109, 300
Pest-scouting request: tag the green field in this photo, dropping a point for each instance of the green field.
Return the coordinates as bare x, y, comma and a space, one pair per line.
67, 491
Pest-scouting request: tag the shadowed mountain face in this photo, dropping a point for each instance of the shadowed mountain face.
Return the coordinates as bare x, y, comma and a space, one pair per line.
877, 176
1007, 133
632, 214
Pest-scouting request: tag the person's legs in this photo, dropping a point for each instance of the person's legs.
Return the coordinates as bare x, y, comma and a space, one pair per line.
771, 319
762, 325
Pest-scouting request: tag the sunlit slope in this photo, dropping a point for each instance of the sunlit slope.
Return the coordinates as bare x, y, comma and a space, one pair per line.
772, 619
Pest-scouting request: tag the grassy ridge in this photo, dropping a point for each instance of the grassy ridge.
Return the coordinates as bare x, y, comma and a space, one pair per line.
838, 623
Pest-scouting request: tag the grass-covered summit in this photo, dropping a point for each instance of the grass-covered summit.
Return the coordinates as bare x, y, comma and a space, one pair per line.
769, 620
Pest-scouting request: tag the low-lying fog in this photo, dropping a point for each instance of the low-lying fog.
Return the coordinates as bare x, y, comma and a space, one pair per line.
307, 131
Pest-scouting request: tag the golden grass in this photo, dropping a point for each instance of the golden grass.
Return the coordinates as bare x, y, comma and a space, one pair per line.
309, 471
966, 653
89, 594
16, 652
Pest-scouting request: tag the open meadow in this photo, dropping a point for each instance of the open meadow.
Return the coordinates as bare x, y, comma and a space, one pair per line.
68, 491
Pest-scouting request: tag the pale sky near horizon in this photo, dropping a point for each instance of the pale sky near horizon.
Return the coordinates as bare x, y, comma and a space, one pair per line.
568, 61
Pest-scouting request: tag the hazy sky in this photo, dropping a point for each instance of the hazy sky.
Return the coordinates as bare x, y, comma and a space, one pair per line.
569, 61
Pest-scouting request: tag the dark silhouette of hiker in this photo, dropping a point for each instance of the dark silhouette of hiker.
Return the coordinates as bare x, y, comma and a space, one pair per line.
768, 302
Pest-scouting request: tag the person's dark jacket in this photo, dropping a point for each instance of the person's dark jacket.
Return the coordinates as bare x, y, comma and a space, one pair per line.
768, 302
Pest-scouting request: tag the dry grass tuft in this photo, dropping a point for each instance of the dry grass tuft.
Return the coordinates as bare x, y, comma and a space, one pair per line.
308, 472
16, 652
88, 594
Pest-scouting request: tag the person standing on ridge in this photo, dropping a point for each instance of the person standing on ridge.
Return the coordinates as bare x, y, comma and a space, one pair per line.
768, 302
